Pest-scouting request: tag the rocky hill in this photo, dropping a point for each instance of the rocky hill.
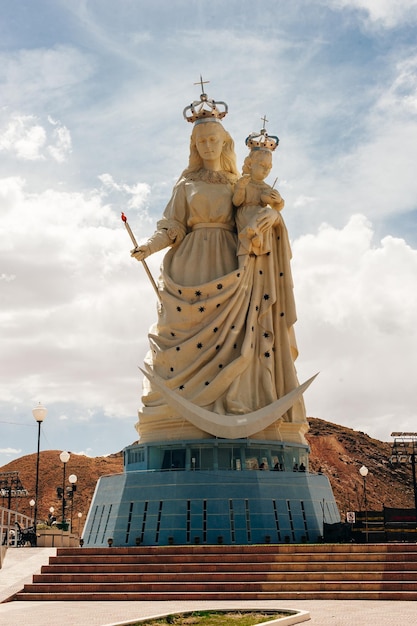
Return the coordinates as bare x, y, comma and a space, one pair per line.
87, 469
339, 452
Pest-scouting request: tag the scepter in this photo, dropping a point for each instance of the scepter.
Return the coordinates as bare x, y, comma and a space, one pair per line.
145, 265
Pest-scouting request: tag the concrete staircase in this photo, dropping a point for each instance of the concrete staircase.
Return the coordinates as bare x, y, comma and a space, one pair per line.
217, 572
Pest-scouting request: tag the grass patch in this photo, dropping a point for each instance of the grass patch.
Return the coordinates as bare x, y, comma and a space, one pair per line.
215, 618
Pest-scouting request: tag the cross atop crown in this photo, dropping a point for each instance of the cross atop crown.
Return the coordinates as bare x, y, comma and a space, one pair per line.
261, 140
205, 109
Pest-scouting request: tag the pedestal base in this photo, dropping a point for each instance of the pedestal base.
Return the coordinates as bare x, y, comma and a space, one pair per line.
221, 491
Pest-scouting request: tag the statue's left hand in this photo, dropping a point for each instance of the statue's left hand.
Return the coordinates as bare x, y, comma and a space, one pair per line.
274, 199
266, 219
276, 196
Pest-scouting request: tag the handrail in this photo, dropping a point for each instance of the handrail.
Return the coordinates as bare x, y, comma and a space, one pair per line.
8, 519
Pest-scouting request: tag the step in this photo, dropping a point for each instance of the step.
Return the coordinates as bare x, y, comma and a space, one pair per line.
285, 566
307, 557
336, 571
246, 549
235, 586
179, 595
226, 577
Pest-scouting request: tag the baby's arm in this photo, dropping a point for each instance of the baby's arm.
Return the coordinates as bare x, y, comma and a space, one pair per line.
240, 190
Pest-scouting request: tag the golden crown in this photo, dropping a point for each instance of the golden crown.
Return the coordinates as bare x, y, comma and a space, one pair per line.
205, 109
261, 140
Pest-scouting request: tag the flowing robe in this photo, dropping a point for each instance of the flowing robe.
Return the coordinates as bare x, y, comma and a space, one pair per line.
224, 336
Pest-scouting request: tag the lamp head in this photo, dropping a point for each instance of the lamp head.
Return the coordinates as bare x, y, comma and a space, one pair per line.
65, 457
39, 413
363, 471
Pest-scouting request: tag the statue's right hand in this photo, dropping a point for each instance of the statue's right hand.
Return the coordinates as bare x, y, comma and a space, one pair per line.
140, 252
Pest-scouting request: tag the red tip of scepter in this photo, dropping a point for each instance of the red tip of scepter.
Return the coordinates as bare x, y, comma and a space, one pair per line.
124, 218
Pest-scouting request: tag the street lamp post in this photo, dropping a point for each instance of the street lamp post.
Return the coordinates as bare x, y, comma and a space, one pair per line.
64, 457
364, 473
71, 490
79, 515
32, 504
51, 515
39, 413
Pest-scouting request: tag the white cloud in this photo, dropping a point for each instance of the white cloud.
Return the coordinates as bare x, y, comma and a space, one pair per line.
62, 146
136, 195
74, 300
357, 307
387, 13
26, 139
10, 451
400, 98
7, 277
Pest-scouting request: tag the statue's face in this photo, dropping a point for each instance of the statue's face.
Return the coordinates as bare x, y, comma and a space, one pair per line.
260, 165
209, 138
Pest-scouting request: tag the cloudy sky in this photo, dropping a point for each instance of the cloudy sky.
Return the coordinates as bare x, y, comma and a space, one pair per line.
92, 93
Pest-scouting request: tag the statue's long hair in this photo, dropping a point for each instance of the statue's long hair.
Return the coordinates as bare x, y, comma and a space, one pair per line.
227, 157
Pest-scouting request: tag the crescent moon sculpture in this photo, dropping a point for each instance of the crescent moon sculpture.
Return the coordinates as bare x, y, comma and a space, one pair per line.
227, 426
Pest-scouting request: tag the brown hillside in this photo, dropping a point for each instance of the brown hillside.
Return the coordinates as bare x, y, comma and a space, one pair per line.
338, 451
87, 469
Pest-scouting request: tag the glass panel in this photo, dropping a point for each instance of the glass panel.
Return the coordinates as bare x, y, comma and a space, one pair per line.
174, 459
195, 458
224, 456
206, 458
277, 458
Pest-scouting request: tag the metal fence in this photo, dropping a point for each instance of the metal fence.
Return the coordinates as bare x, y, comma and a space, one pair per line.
10, 522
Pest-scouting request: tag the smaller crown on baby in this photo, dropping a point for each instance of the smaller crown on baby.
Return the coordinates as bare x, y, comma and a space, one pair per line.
261, 140
205, 109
